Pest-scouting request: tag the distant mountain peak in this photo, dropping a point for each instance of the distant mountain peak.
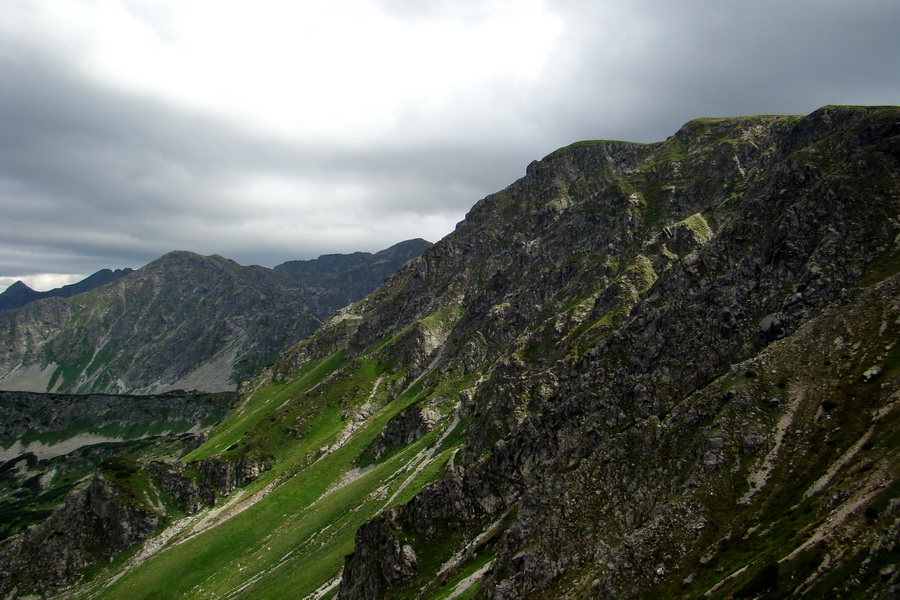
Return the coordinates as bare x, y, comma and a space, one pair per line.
19, 286
19, 294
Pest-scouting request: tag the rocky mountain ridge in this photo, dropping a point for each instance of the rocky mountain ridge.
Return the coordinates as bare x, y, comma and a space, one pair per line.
642, 370
184, 321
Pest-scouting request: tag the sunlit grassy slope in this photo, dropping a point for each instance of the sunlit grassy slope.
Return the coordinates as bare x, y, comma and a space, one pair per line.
301, 515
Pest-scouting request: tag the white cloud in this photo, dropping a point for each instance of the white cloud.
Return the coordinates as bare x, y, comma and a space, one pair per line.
328, 71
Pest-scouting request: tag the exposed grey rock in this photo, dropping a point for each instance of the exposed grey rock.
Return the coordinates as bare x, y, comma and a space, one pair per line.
224, 475
94, 524
123, 505
392, 564
404, 429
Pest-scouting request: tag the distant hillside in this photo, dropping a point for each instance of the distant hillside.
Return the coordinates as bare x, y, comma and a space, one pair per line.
336, 280
19, 294
184, 321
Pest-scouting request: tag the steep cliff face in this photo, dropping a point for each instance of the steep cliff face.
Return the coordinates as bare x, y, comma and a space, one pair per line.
182, 322
642, 370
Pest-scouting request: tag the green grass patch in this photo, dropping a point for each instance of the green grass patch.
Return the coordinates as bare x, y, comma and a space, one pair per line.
699, 226
134, 484
478, 561
261, 403
296, 538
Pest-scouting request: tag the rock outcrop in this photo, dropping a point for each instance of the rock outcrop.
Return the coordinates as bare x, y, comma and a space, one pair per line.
404, 429
93, 525
382, 561
125, 503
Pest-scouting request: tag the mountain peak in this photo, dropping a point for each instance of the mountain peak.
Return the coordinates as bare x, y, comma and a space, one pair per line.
19, 286
191, 307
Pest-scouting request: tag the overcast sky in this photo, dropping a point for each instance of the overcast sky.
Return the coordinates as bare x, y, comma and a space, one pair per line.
275, 130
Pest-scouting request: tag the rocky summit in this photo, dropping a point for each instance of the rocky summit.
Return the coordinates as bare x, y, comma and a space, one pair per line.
661, 370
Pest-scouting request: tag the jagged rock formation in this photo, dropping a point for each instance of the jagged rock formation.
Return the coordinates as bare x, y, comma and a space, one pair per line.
19, 294
93, 524
381, 561
182, 322
642, 370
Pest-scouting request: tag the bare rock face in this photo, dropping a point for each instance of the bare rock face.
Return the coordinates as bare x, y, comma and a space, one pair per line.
404, 429
224, 476
124, 504
188, 494
372, 573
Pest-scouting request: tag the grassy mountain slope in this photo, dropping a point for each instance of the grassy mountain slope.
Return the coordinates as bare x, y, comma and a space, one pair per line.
661, 370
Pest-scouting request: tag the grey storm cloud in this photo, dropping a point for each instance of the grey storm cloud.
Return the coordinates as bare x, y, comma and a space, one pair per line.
92, 176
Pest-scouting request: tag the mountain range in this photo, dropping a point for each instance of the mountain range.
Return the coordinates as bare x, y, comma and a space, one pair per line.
663, 370
184, 321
